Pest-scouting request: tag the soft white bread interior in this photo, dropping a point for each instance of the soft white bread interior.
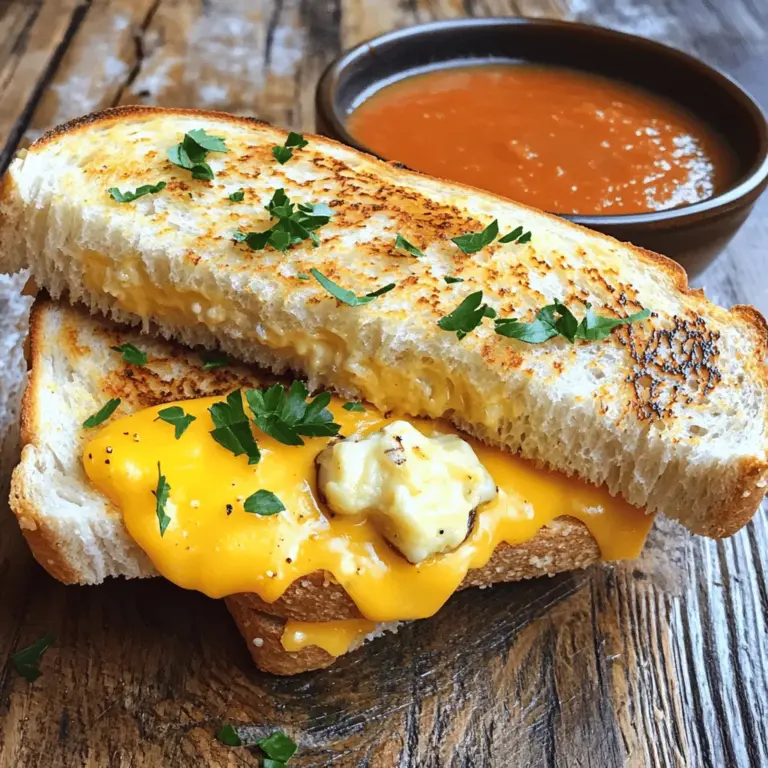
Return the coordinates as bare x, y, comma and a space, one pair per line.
670, 413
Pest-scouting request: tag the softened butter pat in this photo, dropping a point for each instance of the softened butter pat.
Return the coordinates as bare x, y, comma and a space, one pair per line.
418, 490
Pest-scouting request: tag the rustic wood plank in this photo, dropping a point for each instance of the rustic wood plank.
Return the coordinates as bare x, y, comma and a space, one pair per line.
27, 60
659, 662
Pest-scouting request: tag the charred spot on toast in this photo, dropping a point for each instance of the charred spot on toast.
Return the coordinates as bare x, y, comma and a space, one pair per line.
671, 365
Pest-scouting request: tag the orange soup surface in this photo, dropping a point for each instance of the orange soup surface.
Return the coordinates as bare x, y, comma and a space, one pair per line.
557, 139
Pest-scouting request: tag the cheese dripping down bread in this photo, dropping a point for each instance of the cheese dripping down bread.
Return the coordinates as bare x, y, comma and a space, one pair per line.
669, 413
302, 565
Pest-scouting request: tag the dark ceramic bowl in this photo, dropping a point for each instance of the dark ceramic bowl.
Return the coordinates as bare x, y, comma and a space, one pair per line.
692, 234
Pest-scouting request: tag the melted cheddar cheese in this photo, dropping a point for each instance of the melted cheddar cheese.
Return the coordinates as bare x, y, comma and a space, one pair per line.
213, 545
334, 637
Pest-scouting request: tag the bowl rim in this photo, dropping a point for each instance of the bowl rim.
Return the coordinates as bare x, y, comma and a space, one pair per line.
750, 183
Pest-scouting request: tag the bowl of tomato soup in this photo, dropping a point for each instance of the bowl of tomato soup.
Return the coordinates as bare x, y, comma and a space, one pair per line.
612, 131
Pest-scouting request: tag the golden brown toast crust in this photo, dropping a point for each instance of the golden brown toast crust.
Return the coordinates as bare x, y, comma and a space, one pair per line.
564, 547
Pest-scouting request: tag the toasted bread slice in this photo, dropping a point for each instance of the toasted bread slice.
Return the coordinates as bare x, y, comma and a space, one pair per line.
670, 413
78, 535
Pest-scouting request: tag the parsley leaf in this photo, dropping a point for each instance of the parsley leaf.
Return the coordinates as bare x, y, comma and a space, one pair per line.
263, 503
278, 747
451, 280
302, 276
190, 154
476, 241
175, 415
213, 360
356, 407
102, 414
228, 735
557, 320
27, 661
131, 354
594, 328
516, 236
161, 499
233, 430
237, 197
285, 153
345, 296
294, 224
285, 416
467, 316
401, 242
129, 197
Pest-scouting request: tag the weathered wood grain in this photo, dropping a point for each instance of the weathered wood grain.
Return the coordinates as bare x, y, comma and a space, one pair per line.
660, 662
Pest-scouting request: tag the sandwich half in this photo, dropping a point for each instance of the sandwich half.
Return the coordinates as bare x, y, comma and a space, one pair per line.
79, 533
414, 294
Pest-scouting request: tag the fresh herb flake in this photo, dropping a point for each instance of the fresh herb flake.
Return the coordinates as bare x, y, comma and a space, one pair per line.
294, 224
345, 296
517, 235
232, 428
102, 414
286, 415
175, 415
161, 499
557, 320
27, 661
476, 241
131, 354
228, 735
401, 242
285, 153
302, 276
237, 197
263, 503
190, 154
278, 747
213, 360
450, 280
467, 316
355, 407
129, 197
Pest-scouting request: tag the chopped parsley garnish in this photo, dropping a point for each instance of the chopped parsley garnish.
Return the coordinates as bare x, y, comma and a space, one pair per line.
345, 296
467, 316
401, 242
302, 276
294, 224
517, 235
263, 503
161, 499
557, 320
27, 661
190, 154
213, 360
102, 414
237, 197
131, 354
285, 416
175, 415
129, 197
278, 747
233, 430
228, 735
451, 280
476, 241
355, 407
285, 153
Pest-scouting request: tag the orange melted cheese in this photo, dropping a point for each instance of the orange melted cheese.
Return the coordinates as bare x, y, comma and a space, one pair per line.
214, 546
334, 637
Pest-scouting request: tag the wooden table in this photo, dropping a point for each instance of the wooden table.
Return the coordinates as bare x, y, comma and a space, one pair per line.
659, 662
